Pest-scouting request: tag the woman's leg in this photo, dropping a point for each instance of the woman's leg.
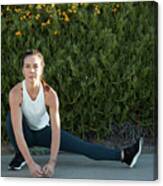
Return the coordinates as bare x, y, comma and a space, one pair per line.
26, 131
74, 144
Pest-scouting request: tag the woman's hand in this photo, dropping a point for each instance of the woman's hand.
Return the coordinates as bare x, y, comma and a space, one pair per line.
48, 169
35, 170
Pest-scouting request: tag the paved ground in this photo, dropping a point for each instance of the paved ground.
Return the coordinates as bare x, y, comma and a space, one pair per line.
72, 166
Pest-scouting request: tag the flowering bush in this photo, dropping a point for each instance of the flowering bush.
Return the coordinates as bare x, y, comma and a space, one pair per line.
99, 58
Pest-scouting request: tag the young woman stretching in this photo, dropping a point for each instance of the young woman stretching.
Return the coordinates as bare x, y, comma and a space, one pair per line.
30, 124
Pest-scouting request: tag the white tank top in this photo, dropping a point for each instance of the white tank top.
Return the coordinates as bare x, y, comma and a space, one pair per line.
35, 111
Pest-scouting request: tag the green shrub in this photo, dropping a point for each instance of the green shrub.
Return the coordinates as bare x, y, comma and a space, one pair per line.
99, 58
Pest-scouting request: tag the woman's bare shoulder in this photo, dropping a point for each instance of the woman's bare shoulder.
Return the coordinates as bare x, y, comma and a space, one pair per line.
48, 90
15, 94
51, 91
51, 96
16, 89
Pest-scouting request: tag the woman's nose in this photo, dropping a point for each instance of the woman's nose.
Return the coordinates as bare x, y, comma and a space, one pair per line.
32, 70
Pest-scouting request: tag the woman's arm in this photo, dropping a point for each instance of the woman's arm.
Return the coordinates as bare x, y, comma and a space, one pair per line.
15, 100
53, 103
55, 127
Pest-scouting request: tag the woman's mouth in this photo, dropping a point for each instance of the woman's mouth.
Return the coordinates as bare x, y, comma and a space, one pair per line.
31, 77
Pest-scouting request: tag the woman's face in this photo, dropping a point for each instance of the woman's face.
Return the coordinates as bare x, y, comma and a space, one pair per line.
32, 68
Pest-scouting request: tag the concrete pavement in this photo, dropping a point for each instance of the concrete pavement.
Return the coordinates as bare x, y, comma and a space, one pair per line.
73, 166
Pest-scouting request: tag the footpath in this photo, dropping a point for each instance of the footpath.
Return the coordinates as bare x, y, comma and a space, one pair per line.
73, 166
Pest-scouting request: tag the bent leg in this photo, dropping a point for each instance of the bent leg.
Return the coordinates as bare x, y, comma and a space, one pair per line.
26, 131
74, 144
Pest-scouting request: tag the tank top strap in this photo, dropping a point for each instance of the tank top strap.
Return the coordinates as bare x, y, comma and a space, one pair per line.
25, 93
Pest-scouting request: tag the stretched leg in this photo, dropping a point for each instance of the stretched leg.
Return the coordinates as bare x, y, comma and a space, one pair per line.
74, 144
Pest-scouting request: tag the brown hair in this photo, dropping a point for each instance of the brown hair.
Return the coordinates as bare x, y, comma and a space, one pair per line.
39, 54
33, 52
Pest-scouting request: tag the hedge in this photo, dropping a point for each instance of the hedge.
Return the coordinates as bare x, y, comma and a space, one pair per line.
100, 58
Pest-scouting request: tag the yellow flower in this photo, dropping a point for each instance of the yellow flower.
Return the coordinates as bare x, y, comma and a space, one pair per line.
48, 22
96, 6
37, 16
117, 5
74, 11
38, 6
66, 19
63, 13
18, 33
43, 24
21, 18
30, 6
73, 7
8, 8
59, 12
114, 10
24, 17
28, 13
17, 10
97, 10
55, 33
69, 10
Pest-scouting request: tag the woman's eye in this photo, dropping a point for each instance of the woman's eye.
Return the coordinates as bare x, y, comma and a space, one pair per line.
27, 66
35, 66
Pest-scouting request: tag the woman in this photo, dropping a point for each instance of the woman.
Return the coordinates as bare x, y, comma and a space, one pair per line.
29, 124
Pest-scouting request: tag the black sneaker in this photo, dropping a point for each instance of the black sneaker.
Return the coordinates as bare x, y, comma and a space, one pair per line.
131, 154
17, 162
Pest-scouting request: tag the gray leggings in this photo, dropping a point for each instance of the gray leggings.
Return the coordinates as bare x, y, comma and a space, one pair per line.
69, 142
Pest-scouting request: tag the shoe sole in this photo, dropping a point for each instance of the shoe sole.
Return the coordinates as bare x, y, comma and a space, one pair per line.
17, 168
137, 154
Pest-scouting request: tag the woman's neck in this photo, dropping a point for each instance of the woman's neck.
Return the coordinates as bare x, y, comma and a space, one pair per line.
33, 85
